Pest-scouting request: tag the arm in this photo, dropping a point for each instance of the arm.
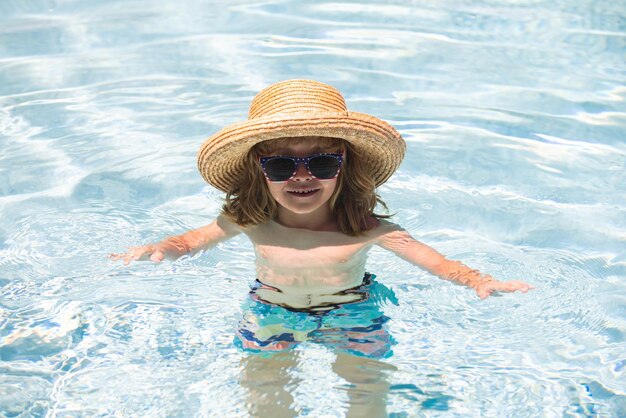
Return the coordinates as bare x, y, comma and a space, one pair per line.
401, 243
192, 241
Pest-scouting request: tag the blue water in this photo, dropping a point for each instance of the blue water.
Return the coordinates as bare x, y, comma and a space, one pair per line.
515, 116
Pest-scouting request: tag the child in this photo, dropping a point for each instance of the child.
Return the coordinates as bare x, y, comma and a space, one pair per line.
300, 177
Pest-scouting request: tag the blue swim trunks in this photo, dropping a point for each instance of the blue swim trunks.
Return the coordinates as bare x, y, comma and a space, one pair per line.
358, 327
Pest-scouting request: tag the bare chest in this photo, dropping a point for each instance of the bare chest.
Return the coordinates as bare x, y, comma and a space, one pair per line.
309, 258
313, 257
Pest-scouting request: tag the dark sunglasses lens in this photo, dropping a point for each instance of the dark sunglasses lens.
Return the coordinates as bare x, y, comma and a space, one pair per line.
324, 166
280, 169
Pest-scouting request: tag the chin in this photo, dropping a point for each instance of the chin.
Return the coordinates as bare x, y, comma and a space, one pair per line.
301, 210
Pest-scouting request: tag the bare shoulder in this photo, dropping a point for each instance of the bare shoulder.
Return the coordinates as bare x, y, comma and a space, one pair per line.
383, 225
227, 225
220, 229
381, 228
208, 235
397, 239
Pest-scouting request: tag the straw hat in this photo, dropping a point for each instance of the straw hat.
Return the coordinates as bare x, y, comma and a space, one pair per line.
296, 108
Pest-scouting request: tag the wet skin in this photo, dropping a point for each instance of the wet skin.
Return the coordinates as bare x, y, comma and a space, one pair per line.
302, 252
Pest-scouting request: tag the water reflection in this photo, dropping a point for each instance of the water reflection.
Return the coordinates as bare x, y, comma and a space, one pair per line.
270, 382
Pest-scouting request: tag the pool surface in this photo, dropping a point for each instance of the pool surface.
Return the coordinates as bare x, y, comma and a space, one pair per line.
515, 117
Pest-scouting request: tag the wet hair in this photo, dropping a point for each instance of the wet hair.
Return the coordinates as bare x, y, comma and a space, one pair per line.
352, 203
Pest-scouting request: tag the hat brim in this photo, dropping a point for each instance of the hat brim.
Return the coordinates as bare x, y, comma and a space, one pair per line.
221, 157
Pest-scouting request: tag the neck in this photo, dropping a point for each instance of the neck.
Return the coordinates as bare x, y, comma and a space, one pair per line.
320, 220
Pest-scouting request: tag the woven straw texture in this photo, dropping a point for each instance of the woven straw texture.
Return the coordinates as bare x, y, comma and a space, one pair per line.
297, 108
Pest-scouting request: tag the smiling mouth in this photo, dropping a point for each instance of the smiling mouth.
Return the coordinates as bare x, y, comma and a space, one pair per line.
303, 192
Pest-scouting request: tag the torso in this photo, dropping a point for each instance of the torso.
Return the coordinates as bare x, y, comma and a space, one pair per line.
308, 268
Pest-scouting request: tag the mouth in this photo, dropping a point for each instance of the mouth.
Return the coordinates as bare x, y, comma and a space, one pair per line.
303, 192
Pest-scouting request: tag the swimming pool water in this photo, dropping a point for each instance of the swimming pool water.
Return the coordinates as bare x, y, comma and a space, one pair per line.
515, 116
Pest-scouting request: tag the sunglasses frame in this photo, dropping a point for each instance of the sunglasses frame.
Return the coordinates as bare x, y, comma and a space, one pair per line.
301, 160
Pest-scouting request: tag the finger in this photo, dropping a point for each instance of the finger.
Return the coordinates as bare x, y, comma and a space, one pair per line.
121, 256
515, 285
141, 251
125, 257
508, 287
157, 256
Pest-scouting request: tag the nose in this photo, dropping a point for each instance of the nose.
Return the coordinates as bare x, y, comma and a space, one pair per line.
301, 173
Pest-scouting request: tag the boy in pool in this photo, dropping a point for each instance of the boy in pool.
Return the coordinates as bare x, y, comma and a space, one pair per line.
300, 177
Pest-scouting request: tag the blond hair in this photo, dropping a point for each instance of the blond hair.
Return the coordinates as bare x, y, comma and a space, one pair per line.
352, 203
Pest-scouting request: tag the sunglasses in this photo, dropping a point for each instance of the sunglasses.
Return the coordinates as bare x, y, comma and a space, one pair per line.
282, 168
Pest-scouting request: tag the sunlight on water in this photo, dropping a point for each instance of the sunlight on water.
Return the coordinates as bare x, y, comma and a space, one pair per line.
515, 118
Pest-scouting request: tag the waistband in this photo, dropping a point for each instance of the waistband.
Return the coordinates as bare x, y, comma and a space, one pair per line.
362, 290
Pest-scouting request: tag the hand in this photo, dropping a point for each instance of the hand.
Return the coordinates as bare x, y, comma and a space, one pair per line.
485, 289
155, 251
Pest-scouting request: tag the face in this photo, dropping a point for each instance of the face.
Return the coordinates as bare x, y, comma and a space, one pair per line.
302, 194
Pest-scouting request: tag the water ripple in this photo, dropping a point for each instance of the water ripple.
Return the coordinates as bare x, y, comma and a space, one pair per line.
514, 115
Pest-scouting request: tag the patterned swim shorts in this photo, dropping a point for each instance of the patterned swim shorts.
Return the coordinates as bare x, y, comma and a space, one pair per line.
357, 327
